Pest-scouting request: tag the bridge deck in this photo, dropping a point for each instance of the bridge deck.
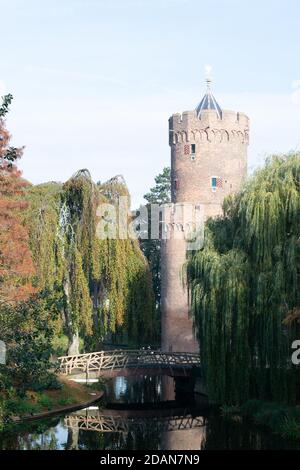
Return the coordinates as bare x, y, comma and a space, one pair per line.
136, 361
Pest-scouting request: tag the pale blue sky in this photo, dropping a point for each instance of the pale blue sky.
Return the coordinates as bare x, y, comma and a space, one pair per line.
95, 81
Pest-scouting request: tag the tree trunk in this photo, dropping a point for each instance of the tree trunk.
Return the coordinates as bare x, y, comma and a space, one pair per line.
73, 344
72, 442
95, 305
73, 348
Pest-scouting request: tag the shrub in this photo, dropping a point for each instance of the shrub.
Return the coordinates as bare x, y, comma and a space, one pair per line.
281, 419
45, 401
227, 411
46, 381
290, 428
18, 406
64, 401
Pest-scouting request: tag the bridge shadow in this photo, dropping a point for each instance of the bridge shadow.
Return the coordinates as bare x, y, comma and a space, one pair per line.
161, 408
177, 371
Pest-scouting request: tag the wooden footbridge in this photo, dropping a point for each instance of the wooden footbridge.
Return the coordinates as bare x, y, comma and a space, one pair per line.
130, 362
108, 422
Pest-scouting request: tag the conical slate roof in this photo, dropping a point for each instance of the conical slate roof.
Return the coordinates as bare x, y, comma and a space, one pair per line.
209, 102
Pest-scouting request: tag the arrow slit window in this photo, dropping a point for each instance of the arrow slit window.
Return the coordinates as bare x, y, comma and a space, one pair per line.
193, 152
216, 183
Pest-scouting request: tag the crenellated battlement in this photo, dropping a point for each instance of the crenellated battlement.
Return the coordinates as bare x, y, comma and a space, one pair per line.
187, 127
210, 116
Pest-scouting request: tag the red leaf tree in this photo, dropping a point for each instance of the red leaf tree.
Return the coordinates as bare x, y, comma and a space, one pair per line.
16, 265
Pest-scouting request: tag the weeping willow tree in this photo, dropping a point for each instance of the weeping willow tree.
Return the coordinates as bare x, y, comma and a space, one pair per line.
125, 293
104, 284
244, 288
42, 219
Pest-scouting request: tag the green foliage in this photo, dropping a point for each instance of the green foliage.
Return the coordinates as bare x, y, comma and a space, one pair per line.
126, 304
80, 301
139, 299
18, 406
60, 345
227, 411
290, 429
159, 194
11, 154
45, 401
7, 154
1, 414
93, 278
281, 419
65, 401
42, 220
27, 329
22, 406
6, 102
243, 284
81, 285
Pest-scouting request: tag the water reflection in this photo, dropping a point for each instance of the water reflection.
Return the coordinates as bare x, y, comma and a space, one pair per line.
137, 389
140, 413
119, 387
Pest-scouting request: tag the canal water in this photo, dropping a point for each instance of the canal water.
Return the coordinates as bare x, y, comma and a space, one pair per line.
141, 413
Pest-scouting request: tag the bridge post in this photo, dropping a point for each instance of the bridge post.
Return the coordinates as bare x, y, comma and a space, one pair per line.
87, 372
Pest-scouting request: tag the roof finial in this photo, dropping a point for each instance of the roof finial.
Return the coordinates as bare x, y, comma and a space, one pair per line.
208, 70
208, 101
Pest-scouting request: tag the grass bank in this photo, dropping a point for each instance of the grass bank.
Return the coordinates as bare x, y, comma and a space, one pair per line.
280, 419
38, 404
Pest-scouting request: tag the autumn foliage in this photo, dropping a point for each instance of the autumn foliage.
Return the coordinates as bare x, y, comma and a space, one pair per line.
16, 265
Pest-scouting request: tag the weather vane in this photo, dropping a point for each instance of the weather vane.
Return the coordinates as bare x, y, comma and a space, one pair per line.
208, 75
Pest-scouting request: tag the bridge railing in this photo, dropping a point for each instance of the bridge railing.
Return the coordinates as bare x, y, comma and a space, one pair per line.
121, 359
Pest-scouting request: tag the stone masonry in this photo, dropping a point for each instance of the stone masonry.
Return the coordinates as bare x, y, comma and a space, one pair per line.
208, 162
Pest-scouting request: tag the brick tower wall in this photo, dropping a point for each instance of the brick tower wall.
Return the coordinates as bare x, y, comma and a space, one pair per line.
220, 154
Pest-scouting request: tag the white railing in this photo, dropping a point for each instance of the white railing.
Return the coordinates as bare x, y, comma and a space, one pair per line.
122, 359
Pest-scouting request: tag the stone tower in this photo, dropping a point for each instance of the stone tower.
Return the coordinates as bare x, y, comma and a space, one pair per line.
208, 162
